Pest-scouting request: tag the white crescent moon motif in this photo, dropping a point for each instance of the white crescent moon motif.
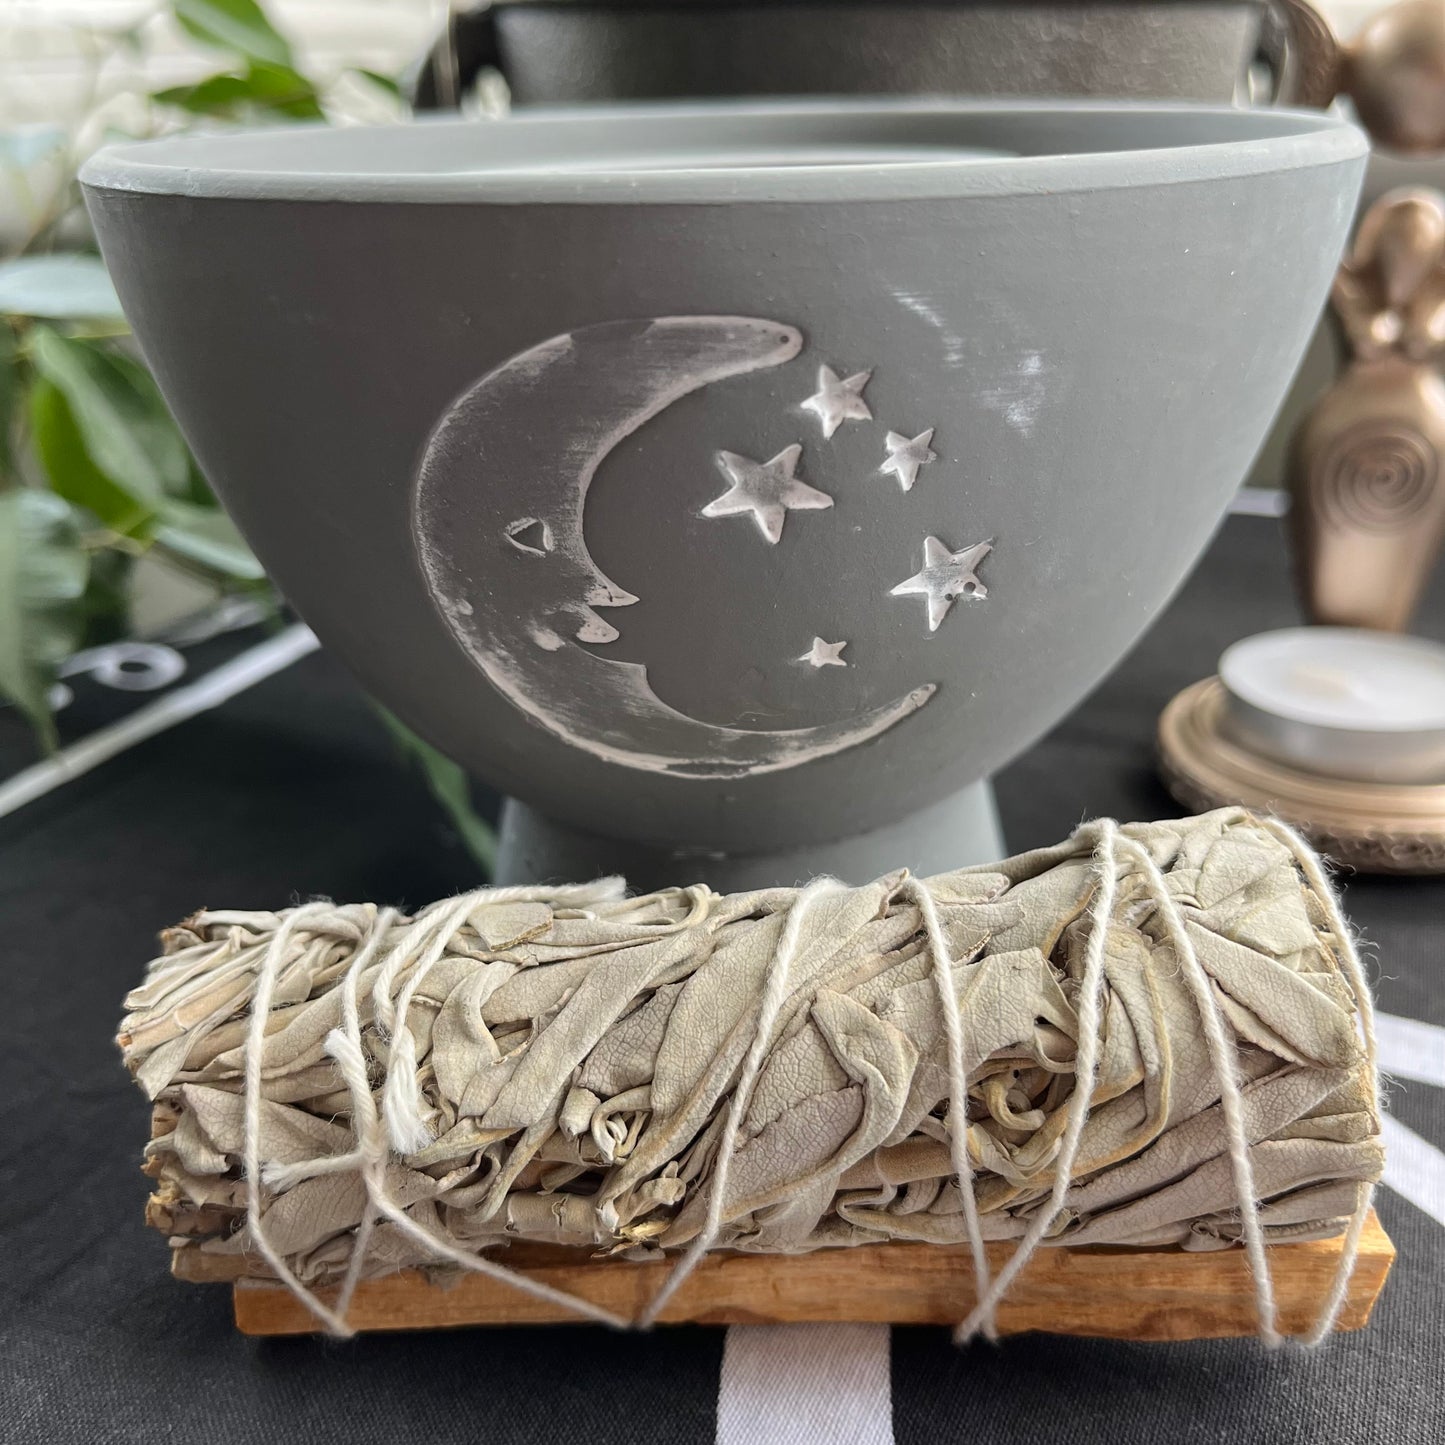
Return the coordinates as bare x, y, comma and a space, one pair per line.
497, 519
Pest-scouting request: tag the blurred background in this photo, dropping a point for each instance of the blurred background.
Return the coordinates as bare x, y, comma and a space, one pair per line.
84, 65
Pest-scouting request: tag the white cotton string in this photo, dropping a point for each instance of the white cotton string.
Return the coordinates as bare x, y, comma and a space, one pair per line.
364, 1107
268, 971
283, 1176
1349, 1256
352, 1063
402, 1105
426, 938
1223, 1056
603, 890
1309, 864
343, 1045
346, 1047
1086, 1060
413, 936
917, 889
775, 993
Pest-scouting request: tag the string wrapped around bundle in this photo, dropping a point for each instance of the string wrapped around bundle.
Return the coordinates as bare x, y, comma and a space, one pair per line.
1151, 1035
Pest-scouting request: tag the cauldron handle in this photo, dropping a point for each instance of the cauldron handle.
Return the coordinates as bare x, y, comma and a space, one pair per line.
466, 46
1302, 51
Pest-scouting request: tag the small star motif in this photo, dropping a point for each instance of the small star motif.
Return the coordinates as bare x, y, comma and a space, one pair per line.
906, 455
824, 654
767, 490
837, 401
945, 577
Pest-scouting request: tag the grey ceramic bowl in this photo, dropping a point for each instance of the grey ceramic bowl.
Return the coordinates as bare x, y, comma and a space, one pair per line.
736, 487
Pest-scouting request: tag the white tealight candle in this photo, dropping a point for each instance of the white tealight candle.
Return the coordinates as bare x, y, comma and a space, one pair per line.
1340, 701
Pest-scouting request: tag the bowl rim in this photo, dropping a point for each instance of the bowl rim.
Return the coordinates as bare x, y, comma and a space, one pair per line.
1270, 140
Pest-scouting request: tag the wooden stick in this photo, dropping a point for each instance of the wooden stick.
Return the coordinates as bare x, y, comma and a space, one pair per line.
1106, 1293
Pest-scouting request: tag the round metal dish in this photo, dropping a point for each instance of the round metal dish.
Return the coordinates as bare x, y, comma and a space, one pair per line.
1373, 827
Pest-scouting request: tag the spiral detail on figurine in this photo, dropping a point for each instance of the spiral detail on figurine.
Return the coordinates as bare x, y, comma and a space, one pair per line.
1378, 476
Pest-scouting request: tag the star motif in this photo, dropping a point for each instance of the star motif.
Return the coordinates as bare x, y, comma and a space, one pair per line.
837, 401
768, 490
945, 577
824, 654
906, 455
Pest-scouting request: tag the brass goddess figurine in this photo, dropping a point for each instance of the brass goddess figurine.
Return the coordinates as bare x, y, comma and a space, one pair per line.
1368, 502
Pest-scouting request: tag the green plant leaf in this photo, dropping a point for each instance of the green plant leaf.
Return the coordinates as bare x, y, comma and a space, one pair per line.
239, 26
71, 472
198, 490
207, 538
106, 606
125, 427
219, 95
60, 288
261, 91
389, 83
450, 787
12, 389
43, 571
151, 419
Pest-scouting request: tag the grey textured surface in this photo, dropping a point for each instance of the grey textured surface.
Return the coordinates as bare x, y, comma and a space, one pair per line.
1077, 344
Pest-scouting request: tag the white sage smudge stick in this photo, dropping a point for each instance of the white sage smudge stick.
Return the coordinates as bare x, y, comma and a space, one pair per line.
1151, 1035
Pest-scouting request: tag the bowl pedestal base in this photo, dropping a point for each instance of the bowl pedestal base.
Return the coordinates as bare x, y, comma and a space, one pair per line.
954, 832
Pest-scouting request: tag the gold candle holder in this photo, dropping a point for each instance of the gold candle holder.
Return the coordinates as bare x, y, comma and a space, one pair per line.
1373, 827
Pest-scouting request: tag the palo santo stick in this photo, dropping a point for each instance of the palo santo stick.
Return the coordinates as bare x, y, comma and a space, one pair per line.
1122, 1294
